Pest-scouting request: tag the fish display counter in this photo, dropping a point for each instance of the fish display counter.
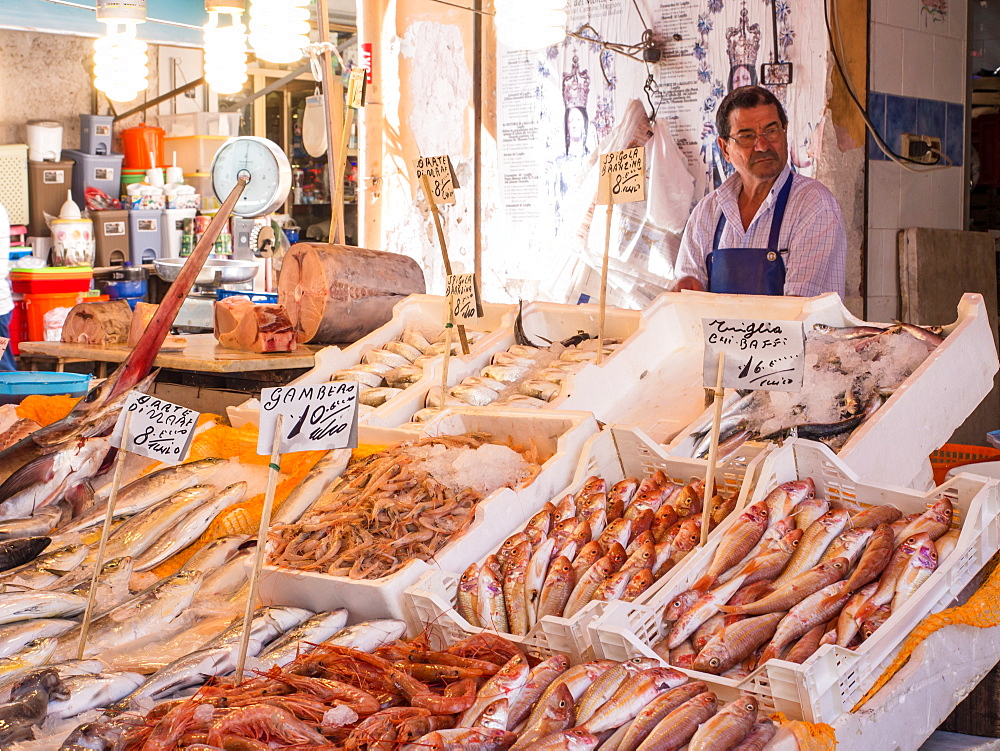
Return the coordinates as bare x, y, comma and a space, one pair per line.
434, 499
865, 564
548, 581
884, 390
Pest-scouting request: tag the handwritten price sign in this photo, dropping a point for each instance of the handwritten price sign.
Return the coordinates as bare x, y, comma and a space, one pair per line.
314, 418
464, 295
441, 176
158, 429
623, 176
356, 87
760, 355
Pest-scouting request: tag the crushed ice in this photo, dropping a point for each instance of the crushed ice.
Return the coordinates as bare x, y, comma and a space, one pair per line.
338, 716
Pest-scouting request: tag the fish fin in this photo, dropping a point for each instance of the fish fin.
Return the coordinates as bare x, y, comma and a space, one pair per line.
731, 609
866, 609
704, 583
34, 472
769, 653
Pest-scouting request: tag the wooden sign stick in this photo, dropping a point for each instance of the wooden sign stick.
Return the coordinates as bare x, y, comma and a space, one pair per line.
274, 468
109, 514
447, 351
713, 451
444, 251
604, 277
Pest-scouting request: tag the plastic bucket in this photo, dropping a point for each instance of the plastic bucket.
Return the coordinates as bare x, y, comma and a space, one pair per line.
138, 142
36, 306
19, 384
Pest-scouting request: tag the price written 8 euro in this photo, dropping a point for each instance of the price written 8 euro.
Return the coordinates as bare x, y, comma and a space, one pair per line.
158, 429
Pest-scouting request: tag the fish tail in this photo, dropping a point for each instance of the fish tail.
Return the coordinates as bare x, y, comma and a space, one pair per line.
771, 652
732, 609
704, 583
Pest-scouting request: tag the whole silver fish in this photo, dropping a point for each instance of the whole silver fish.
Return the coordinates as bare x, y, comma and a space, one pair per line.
209, 557
144, 530
112, 585
17, 635
46, 479
313, 485
187, 671
191, 527
300, 640
92, 691
33, 654
230, 577
23, 606
267, 624
147, 491
144, 614
41, 522
368, 636
47, 568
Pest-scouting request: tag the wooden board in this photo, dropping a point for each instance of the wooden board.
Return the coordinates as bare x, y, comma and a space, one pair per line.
203, 354
936, 267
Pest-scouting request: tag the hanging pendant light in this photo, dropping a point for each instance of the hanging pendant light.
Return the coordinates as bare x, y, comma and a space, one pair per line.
225, 46
279, 29
530, 24
120, 69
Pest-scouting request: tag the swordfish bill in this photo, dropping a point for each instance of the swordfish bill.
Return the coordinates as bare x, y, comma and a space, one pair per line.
140, 359
96, 413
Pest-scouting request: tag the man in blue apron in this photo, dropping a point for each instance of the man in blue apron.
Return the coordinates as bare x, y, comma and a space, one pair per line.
765, 230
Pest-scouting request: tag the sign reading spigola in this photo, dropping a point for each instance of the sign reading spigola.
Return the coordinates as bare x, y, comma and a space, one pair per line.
314, 418
157, 428
760, 355
464, 296
623, 176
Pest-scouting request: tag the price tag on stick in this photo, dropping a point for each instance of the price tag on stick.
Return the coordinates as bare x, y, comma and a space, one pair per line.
315, 418
463, 296
440, 176
357, 87
623, 176
158, 429
760, 355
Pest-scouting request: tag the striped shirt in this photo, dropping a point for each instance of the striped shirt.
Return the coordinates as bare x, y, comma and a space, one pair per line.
812, 232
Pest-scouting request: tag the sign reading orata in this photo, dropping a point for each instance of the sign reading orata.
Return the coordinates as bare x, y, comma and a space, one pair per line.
157, 428
623, 176
440, 175
760, 355
313, 418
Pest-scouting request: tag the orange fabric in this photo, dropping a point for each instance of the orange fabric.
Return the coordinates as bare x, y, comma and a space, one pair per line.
46, 410
982, 610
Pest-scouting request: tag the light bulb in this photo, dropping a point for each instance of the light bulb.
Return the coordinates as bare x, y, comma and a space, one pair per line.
279, 29
120, 62
530, 24
225, 53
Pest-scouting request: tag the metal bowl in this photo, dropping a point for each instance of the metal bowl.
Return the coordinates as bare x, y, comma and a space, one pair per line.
213, 273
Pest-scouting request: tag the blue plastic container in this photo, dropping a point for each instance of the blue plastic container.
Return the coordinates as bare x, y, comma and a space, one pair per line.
19, 384
222, 294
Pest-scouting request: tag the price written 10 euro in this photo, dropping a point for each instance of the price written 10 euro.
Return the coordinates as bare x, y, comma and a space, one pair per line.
313, 418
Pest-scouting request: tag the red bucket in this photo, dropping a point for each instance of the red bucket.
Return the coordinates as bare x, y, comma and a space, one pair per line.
139, 142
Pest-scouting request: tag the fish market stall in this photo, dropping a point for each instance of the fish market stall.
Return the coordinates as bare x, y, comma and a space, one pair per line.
912, 410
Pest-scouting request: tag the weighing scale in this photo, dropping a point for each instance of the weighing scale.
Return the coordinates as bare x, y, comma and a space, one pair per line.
270, 180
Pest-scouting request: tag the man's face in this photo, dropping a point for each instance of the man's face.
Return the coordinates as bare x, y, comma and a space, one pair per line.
763, 160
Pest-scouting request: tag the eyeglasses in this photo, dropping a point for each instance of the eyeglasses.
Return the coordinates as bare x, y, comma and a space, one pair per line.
747, 140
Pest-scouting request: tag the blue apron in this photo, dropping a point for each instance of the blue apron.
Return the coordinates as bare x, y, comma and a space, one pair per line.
750, 271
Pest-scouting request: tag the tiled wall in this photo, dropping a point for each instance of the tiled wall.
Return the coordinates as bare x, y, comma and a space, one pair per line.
917, 85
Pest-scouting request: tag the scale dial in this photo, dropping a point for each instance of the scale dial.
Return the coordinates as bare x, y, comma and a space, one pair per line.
264, 163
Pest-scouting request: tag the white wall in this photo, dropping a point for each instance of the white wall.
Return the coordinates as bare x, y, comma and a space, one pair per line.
917, 84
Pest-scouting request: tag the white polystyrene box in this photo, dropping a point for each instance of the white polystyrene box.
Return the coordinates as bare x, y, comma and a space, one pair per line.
923, 412
613, 454
831, 681
425, 312
560, 436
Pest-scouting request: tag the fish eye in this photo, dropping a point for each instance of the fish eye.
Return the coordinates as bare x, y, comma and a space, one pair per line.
562, 704
749, 707
838, 565
714, 662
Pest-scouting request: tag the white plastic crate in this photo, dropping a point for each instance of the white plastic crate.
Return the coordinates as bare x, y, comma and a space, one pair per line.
423, 312
560, 436
613, 454
923, 412
834, 678
200, 124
